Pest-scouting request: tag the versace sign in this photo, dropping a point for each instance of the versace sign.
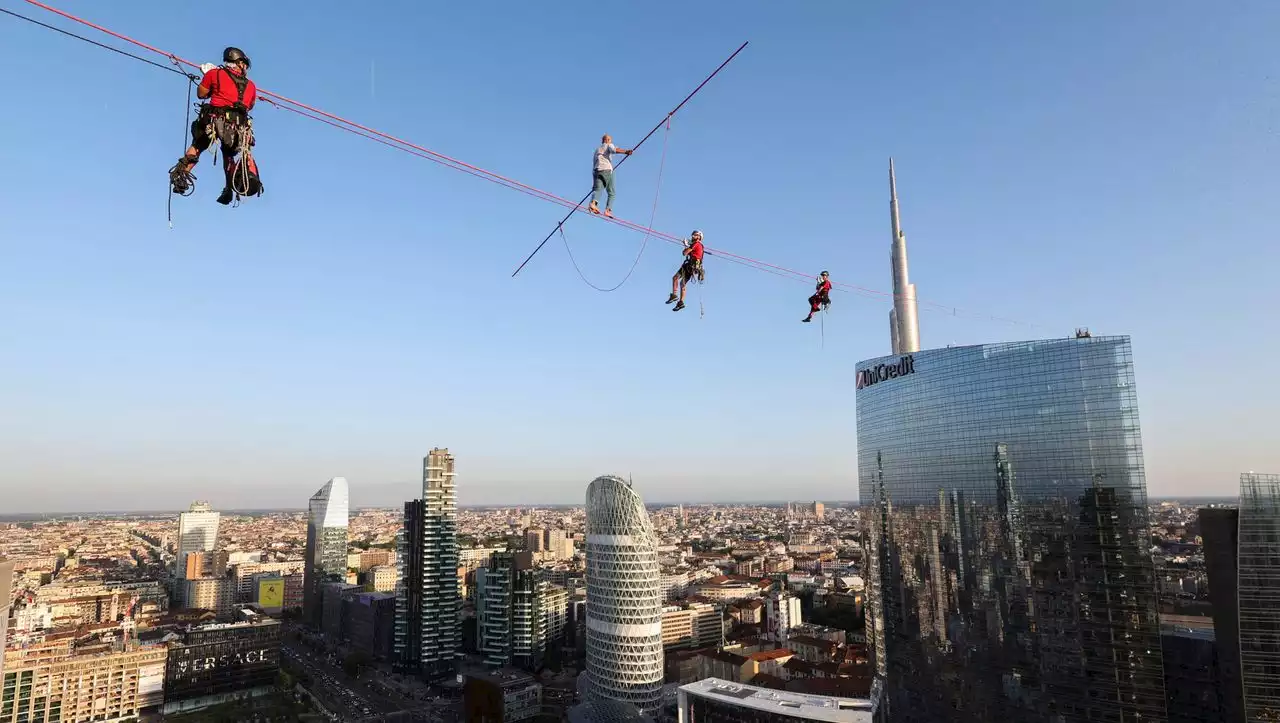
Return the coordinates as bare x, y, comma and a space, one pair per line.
197, 665
879, 373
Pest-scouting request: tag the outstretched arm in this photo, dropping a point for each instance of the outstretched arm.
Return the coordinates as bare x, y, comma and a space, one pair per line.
205, 88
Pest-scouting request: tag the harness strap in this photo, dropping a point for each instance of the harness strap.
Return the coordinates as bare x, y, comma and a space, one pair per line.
241, 82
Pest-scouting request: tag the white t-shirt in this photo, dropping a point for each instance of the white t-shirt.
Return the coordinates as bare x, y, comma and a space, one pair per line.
602, 161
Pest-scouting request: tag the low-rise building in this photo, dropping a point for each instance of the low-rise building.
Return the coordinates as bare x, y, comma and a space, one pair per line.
58, 680
211, 593
721, 701
501, 696
381, 578
692, 625
213, 663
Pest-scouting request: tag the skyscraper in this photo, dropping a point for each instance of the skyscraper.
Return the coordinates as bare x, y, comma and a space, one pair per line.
326, 545
1220, 529
904, 321
1243, 563
1259, 599
624, 599
197, 532
511, 619
1008, 571
428, 599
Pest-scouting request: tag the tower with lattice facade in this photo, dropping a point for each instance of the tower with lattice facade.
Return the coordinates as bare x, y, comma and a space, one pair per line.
624, 598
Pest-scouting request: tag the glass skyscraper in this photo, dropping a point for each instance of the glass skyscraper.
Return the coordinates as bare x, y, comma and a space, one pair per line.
326, 556
1259, 601
1004, 501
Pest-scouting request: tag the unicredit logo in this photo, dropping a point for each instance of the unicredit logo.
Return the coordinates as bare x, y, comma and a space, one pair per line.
876, 374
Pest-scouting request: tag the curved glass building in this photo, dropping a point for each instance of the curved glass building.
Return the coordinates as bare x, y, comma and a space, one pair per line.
1004, 504
624, 599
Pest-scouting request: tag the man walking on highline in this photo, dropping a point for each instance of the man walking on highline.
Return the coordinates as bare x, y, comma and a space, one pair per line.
690, 269
602, 174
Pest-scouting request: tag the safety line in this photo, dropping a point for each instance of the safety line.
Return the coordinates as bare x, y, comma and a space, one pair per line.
653, 130
491, 176
104, 46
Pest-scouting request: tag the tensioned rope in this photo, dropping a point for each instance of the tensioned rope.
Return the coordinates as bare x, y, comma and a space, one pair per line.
277, 100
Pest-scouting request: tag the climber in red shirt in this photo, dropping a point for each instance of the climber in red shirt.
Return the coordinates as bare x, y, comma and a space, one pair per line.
821, 296
230, 95
689, 269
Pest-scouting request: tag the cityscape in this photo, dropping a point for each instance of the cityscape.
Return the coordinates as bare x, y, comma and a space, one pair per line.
321, 463
1004, 562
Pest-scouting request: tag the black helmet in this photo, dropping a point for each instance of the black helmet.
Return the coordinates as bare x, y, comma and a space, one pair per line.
234, 55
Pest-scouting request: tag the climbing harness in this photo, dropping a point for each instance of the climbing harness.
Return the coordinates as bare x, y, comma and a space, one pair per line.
653, 214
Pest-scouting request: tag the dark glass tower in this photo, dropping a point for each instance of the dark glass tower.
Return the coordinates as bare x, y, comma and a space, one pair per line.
1260, 595
1220, 528
1007, 534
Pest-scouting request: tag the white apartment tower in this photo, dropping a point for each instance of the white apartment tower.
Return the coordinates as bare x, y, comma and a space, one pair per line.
782, 612
197, 532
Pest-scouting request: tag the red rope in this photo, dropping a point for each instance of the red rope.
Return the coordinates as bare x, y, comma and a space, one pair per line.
442, 159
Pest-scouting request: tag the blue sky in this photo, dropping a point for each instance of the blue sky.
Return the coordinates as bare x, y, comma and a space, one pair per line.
1092, 163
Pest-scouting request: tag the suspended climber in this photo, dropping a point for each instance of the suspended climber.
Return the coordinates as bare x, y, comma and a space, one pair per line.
602, 174
230, 95
690, 269
821, 298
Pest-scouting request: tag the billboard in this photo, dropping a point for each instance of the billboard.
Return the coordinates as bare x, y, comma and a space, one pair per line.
151, 685
271, 592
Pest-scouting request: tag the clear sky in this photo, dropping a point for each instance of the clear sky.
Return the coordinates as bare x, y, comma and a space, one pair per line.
1096, 163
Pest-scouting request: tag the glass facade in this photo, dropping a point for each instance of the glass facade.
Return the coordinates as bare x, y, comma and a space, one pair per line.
326, 555
223, 658
1006, 531
1259, 546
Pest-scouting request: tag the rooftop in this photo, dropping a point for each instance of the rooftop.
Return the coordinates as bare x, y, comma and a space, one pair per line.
811, 707
504, 677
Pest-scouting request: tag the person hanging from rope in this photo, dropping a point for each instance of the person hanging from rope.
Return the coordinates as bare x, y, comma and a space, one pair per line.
230, 95
602, 174
690, 269
821, 298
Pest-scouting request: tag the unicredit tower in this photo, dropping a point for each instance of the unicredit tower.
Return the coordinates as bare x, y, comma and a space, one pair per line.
1005, 513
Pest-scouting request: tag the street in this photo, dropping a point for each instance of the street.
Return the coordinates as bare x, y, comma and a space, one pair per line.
369, 698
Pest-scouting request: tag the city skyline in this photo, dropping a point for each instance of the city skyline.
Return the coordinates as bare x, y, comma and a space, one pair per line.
985, 518
241, 352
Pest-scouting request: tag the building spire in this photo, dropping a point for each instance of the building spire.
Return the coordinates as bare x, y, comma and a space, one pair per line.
904, 323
